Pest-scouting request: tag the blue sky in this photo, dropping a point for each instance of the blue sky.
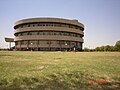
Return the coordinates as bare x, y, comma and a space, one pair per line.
100, 17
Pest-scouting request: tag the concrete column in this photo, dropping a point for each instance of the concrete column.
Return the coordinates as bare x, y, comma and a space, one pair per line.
9, 45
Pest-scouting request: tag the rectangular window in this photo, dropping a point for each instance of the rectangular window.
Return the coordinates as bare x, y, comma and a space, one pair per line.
43, 42
17, 43
62, 42
25, 33
54, 42
33, 33
28, 25
40, 33
33, 42
24, 42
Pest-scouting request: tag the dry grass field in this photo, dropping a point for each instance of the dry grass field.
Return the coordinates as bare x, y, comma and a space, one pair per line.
59, 70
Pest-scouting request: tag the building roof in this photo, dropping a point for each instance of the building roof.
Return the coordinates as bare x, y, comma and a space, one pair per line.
61, 20
9, 39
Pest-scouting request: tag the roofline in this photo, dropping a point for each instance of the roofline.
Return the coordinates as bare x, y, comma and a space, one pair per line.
61, 20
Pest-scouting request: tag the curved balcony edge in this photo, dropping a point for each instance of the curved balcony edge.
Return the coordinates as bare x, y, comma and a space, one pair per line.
48, 37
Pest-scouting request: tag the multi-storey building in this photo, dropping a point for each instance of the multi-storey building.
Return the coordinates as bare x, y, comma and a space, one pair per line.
48, 34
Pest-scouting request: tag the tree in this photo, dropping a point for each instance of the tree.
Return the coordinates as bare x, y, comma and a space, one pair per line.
97, 49
117, 46
112, 48
86, 49
102, 48
107, 48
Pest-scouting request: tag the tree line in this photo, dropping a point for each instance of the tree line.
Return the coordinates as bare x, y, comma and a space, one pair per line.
116, 47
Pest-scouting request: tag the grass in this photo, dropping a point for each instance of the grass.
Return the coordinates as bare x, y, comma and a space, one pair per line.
59, 70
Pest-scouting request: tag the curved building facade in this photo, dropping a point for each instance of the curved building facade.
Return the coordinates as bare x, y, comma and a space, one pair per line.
48, 34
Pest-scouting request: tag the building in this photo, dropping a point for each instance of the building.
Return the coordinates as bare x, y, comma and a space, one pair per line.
48, 34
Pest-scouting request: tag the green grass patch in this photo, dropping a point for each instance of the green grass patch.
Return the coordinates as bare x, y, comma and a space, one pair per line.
59, 70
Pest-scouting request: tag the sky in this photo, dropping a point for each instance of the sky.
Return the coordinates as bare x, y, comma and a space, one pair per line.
101, 18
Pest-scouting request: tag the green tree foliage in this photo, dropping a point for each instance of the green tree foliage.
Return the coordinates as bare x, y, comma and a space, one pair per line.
105, 48
112, 48
109, 48
117, 46
86, 49
97, 49
102, 48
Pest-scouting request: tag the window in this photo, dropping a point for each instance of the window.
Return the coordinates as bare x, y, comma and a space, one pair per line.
62, 42
21, 26
73, 43
16, 34
43, 42
33, 42
24, 42
32, 25
67, 42
40, 33
17, 43
78, 43
21, 34
25, 33
33, 33
54, 42
78, 35
28, 25
57, 33
51, 33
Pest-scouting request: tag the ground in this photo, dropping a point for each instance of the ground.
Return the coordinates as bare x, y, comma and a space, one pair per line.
28, 70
